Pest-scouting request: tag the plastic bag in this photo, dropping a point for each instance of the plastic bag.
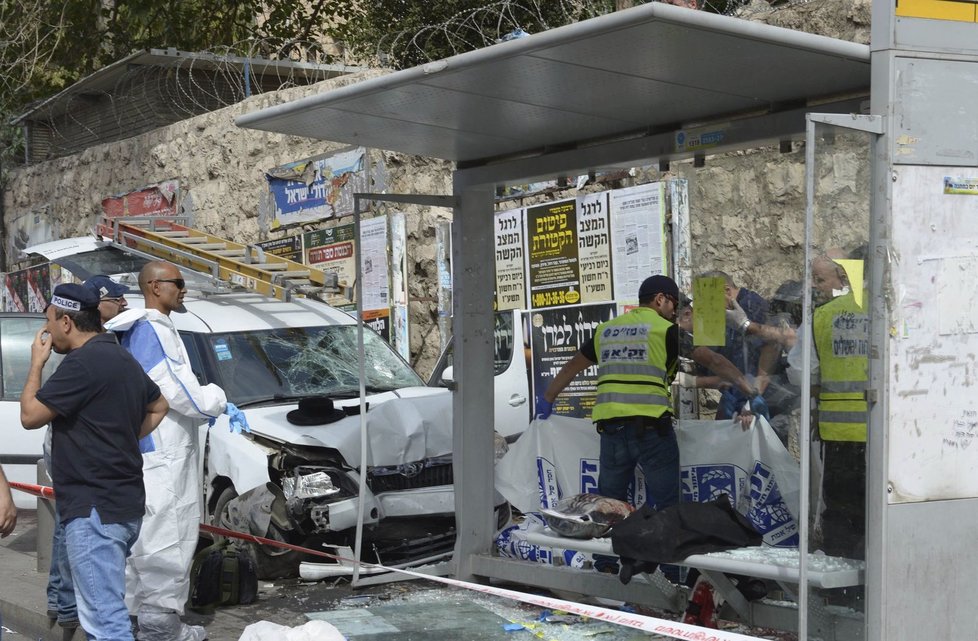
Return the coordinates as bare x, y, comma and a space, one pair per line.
586, 516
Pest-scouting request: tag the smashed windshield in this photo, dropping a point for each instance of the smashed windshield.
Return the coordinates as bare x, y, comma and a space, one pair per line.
269, 365
274, 364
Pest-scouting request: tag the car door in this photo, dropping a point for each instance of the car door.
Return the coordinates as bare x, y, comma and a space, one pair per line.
20, 449
513, 402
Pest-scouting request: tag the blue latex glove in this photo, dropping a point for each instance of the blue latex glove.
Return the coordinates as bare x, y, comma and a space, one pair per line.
544, 408
759, 406
211, 422
238, 422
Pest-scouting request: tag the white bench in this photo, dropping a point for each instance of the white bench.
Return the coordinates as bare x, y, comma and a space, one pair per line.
763, 562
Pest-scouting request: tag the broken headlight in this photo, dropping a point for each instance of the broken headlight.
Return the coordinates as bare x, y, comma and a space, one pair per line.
308, 483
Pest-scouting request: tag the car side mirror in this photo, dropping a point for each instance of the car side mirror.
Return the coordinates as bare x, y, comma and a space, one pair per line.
448, 377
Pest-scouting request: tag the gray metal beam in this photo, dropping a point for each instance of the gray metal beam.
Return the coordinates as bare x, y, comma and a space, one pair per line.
425, 200
738, 134
472, 451
655, 593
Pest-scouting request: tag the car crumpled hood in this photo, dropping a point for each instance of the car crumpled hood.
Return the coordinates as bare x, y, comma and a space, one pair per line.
409, 426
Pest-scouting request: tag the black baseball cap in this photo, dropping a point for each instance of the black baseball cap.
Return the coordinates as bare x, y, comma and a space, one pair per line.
658, 284
74, 297
105, 287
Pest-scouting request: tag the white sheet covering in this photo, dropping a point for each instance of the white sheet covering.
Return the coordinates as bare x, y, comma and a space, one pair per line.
558, 457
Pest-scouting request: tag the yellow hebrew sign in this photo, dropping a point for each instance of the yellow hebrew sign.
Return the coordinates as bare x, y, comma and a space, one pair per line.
957, 10
709, 319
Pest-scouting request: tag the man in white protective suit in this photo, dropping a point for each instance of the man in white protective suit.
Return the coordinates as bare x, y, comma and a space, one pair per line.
158, 572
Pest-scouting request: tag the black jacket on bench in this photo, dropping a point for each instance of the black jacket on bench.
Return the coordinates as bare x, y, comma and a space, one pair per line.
648, 537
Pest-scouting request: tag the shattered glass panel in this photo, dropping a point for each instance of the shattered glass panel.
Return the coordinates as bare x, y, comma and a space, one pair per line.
269, 365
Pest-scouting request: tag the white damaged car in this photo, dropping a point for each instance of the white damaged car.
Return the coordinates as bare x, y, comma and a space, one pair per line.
293, 368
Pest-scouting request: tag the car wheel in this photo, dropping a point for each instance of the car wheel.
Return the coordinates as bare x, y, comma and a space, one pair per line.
219, 517
270, 562
276, 563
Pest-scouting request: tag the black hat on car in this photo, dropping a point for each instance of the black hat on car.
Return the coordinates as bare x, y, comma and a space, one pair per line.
315, 410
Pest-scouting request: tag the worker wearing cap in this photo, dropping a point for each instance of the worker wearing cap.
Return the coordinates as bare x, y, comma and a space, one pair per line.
60, 590
99, 403
111, 295
636, 354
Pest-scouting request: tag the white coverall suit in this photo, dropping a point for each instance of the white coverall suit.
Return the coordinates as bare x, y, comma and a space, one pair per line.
158, 571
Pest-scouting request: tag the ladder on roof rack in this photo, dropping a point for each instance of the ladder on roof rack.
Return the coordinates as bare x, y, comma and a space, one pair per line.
168, 238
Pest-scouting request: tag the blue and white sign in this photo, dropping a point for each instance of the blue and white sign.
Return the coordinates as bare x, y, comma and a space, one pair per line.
319, 188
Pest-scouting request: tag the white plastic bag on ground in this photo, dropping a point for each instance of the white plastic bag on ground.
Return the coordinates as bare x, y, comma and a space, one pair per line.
311, 631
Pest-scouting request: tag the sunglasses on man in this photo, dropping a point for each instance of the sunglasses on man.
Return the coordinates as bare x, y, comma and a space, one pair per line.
179, 282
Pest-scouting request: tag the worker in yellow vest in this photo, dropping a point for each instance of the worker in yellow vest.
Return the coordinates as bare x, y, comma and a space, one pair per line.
841, 337
636, 354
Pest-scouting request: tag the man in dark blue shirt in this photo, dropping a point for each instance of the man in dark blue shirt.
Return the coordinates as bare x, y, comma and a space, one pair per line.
741, 348
100, 403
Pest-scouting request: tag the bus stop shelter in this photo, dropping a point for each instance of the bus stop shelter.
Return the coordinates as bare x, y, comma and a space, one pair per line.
634, 87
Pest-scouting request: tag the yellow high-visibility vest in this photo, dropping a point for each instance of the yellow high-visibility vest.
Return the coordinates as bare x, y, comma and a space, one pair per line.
841, 332
633, 375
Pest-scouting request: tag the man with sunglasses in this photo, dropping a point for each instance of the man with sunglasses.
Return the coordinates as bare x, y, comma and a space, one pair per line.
636, 354
158, 573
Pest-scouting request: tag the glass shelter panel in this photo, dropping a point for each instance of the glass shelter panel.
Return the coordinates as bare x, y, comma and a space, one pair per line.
740, 405
771, 391
837, 319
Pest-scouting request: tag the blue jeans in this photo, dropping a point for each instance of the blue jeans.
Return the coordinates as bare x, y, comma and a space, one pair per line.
97, 553
623, 445
61, 591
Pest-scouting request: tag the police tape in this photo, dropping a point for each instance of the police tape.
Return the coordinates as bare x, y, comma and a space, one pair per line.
41, 491
642, 622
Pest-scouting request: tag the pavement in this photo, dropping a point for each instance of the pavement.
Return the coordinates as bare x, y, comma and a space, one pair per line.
23, 601
401, 611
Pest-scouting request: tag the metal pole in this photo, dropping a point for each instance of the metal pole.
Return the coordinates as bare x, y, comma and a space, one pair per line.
364, 442
806, 382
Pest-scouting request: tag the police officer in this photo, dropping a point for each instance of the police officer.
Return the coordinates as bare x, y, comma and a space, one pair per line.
636, 354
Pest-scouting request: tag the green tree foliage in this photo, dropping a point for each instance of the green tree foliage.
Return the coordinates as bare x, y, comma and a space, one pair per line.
46, 46
406, 33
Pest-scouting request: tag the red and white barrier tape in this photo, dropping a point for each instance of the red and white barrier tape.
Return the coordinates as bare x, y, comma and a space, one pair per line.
41, 491
663, 627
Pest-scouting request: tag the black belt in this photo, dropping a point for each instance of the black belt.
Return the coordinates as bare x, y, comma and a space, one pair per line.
662, 424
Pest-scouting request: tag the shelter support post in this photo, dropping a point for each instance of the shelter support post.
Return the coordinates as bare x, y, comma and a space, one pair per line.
472, 267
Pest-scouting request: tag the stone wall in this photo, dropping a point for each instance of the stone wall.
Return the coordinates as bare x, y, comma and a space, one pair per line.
221, 171
747, 208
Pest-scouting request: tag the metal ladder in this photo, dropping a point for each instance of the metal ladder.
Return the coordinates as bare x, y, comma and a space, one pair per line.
248, 266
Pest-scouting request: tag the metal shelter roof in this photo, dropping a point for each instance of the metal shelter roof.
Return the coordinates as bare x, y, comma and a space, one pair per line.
108, 77
644, 70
